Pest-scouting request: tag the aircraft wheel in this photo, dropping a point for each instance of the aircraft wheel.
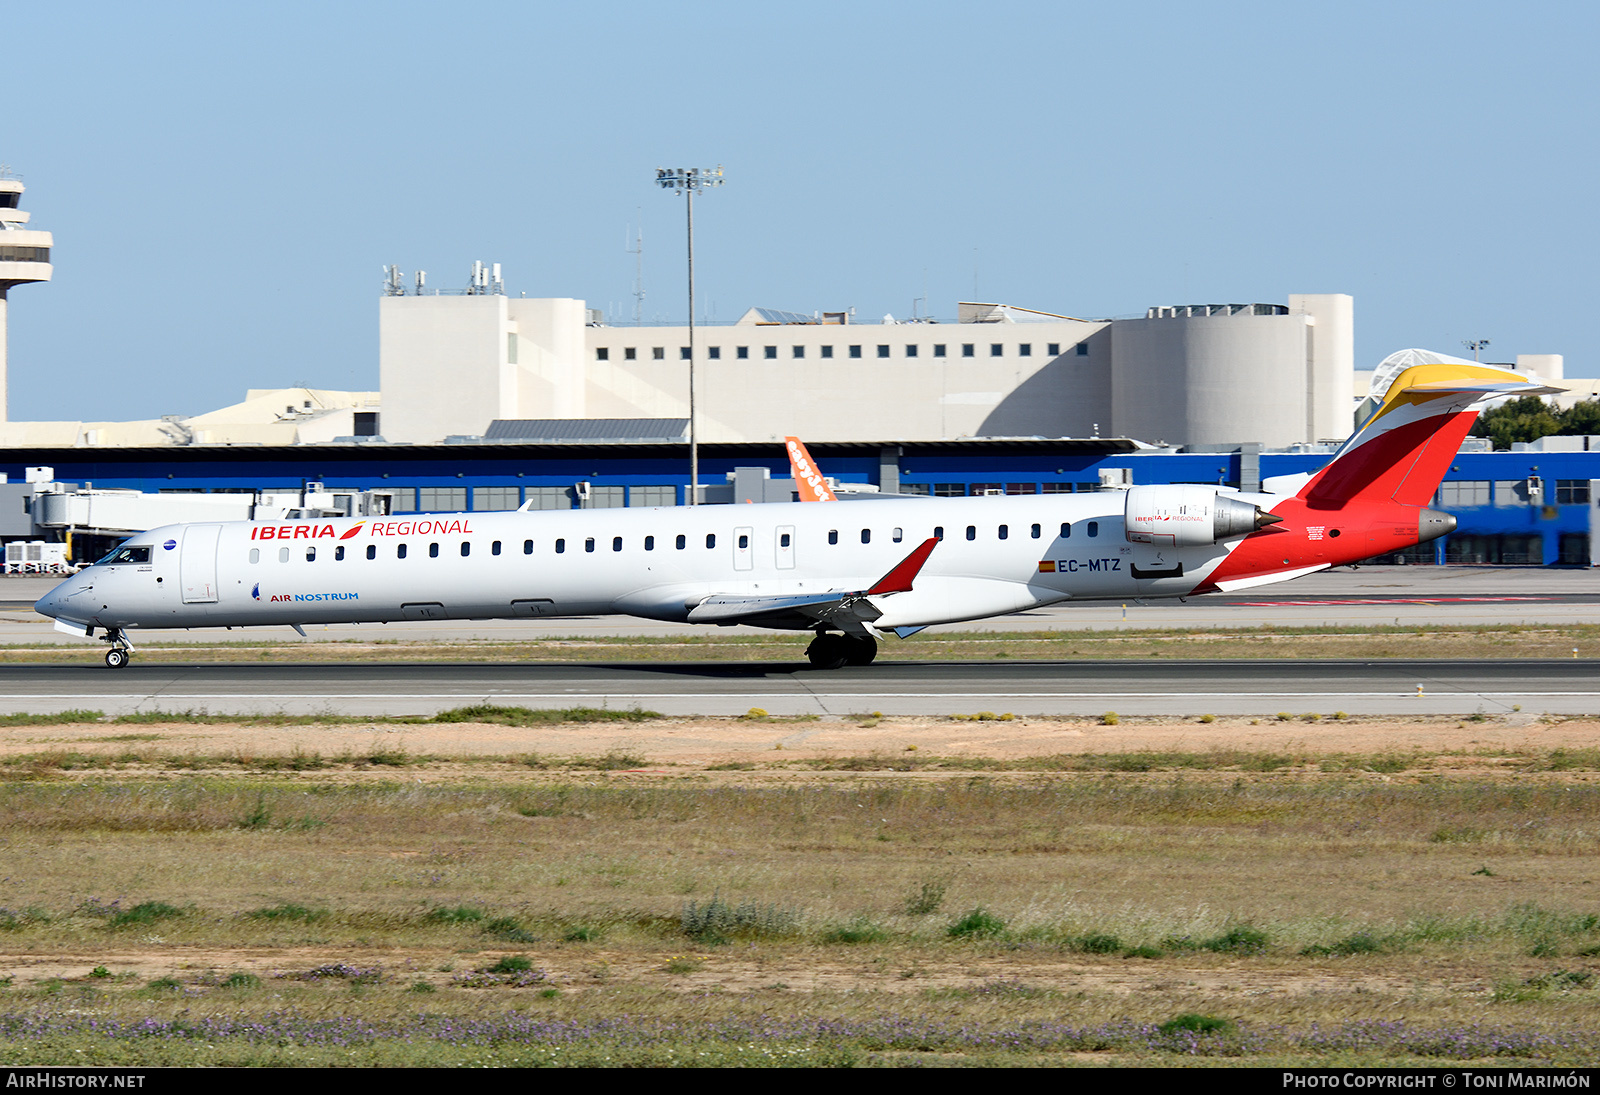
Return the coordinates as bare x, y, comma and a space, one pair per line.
117, 658
860, 649
828, 652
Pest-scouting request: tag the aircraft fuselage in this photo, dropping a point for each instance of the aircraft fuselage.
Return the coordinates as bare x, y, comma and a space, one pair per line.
996, 555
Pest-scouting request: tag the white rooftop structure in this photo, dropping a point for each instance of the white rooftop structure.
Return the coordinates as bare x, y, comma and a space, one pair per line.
24, 258
1279, 374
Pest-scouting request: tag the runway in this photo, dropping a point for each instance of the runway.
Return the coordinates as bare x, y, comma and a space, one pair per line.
1248, 688
1412, 596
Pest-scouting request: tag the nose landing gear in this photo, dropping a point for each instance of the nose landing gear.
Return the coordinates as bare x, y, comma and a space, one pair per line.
121, 652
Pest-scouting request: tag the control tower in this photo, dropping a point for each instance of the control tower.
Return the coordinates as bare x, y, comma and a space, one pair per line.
24, 257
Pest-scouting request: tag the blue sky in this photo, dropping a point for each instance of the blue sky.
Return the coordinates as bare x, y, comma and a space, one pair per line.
225, 182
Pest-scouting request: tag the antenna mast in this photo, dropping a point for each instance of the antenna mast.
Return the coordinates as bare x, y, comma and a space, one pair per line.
637, 250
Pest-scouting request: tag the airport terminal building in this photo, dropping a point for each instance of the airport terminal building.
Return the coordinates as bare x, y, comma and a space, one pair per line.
1278, 374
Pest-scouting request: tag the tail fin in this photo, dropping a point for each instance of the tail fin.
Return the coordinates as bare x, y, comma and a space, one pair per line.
807, 476
1401, 453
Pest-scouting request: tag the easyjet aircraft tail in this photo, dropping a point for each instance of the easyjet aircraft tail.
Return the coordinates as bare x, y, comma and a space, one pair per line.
808, 478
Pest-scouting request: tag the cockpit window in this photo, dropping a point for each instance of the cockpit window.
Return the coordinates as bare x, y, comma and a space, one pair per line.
127, 554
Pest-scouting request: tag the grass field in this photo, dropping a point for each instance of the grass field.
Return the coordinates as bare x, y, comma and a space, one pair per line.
1200, 907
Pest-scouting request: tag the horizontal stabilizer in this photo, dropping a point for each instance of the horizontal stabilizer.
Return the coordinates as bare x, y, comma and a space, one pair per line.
1525, 387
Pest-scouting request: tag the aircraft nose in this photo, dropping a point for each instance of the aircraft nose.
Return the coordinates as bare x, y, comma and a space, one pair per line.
49, 604
52, 604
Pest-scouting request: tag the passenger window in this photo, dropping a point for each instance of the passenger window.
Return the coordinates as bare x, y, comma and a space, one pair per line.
255, 555
1094, 528
466, 548
527, 547
784, 540
1066, 530
1036, 531
972, 532
744, 542
649, 543
400, 551
561, 545
372, 551
616, 543
938, 532
897, 535
711, 539
833, 536
338, 554
588, 543
494, 548
311, 554
683, 541
866, 536
283, 555
433, 551
1005, 531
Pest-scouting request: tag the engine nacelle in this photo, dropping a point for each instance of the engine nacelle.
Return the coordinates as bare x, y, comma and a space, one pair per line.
1184, 515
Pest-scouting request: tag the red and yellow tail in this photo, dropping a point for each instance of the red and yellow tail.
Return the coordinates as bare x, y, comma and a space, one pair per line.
1372, 497
1401, 453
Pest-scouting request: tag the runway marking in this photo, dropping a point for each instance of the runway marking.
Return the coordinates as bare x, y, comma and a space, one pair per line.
1318, 602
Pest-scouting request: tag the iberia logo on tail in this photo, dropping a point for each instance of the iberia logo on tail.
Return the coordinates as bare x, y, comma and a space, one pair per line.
807, 478
1373, 497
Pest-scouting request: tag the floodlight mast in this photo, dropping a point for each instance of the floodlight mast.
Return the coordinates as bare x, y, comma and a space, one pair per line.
689, 181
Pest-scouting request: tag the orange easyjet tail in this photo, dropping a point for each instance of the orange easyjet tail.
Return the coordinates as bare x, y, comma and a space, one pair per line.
807, 478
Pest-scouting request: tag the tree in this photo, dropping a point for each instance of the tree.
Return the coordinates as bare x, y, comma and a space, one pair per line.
1528, 419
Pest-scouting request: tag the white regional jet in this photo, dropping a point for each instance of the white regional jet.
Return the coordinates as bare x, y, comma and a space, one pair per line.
850, 573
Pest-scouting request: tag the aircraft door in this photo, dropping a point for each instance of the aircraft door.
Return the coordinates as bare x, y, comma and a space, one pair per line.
197, 564
785, 547
743, 556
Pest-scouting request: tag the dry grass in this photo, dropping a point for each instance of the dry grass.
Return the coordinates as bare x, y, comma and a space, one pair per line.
1272, 889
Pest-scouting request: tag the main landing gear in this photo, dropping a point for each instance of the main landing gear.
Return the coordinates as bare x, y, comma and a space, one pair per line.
121, 652
837, 651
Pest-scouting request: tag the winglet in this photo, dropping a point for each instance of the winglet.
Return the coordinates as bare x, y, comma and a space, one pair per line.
900, 578
807, 476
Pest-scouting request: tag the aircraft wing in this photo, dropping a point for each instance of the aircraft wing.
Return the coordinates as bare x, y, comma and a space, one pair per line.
732, 608
852, 610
